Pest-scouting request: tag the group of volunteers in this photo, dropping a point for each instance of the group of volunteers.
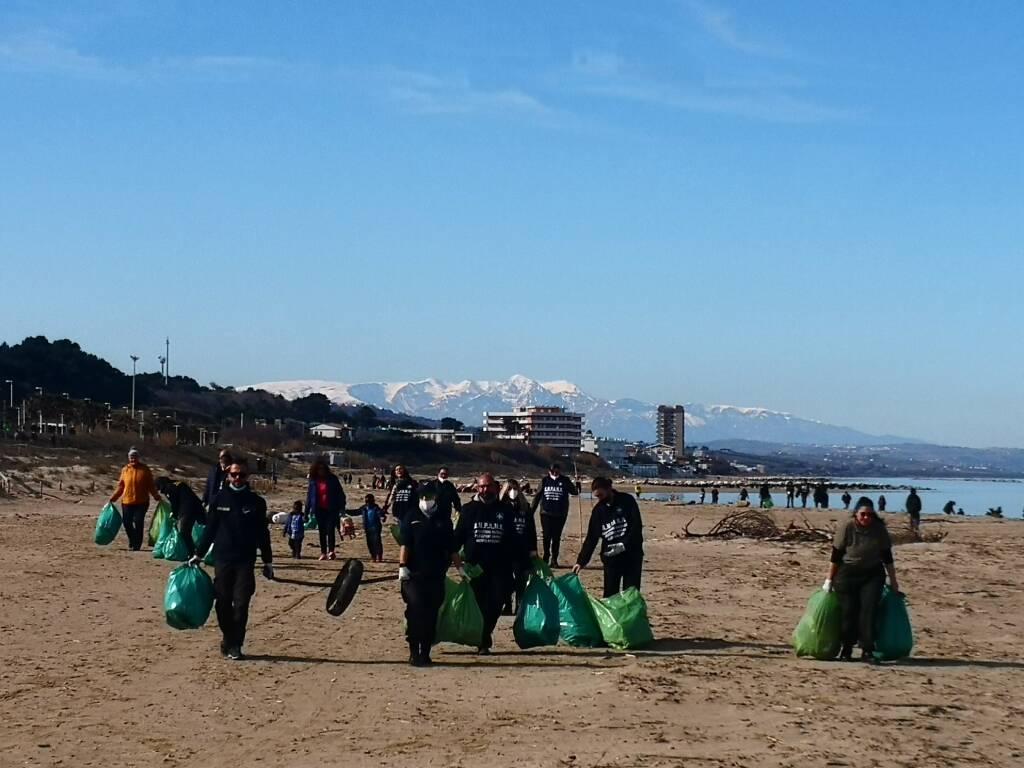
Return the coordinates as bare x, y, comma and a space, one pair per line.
492, 540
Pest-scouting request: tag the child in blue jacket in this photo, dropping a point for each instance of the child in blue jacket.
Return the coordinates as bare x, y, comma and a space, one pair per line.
295, 529
373, 522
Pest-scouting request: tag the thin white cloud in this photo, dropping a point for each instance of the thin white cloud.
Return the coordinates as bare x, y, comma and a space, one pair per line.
426, 94
721, 25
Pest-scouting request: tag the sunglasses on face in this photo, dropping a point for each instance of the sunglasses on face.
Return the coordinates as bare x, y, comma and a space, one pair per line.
236, 474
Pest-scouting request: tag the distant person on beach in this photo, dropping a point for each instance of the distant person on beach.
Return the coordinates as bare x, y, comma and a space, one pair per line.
614, 522
743, 494
847, 498
373, 524
325, 501
881, 503
861, 557
913, 507
295, 529
447, 494
402, 496
821, 496
553, 499
135, 486
790, 494
638, 489
765, 494
805, 491
428, 548
949, 508
714, 494
236, 528
217, 477
703, 492
186, 508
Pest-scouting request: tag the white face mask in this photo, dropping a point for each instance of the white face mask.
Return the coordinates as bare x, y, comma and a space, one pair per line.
442, 478
513, 493
427, 505
552, 475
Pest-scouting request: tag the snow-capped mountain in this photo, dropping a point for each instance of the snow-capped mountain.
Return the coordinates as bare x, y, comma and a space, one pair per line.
625, 418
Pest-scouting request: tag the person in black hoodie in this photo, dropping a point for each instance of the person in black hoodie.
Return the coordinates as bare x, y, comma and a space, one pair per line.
447, 494
236, 527
428, 548
526, 530
217, 477
402, 494
615, 521
487, 531
553, 499
186, 508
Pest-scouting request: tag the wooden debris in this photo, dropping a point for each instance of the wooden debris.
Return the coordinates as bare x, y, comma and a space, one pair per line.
758, 524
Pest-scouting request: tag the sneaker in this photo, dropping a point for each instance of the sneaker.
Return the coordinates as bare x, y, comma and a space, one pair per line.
846, 654
322, 557
483, 651
235, 653
223, 649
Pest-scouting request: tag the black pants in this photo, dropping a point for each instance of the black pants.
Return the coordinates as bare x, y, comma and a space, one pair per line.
790, 501
621, 573
233, 585
517, 586
423, 596
296, 545
490, 589
134, 517
375, 547
185, 526
551, 531
326, 525
859, 596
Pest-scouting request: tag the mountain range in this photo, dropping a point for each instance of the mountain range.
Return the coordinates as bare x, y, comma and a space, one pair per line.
623, 418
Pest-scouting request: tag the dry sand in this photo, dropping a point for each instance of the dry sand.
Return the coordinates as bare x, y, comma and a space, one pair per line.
91, 675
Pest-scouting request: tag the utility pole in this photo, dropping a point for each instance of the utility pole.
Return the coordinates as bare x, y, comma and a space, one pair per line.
10, 383
135, 359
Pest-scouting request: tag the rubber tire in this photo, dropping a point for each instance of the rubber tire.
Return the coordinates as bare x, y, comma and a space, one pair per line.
344, 587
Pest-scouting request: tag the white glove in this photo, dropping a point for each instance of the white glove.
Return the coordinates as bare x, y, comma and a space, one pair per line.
827, 586
403, 573
194, 560
463, 573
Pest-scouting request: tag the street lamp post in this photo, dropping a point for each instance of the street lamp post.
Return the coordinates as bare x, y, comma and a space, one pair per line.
135, 359
10, 383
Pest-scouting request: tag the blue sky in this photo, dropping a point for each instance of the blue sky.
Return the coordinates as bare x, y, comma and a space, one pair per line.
815, 207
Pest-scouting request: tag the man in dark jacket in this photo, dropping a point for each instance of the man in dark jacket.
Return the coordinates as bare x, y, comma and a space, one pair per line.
402, 494
487, 531
447, 495
914, 508
553, 500
217, 477
236, 527
615, 522
186, 508
428, 548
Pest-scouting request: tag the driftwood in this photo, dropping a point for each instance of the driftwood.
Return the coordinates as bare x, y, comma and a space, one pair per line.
758, 524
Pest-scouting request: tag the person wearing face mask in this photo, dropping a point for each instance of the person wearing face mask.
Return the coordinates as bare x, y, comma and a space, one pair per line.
428, 548
402, 496
861, 557
553, 499
236, 527
447, 495
487, 531
615, 522
216, 477
526, 530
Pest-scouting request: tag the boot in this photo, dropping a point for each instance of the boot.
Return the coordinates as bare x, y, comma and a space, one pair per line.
414, 654
425, 659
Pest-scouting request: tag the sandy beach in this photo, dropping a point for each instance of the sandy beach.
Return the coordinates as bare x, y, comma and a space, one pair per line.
92, 676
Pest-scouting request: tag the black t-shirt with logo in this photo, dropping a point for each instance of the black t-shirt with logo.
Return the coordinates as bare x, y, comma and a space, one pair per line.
236, 527
488, 534
553, 496
616, 523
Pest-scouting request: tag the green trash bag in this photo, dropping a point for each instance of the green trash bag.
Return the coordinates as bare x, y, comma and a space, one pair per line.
175, 547
577, 623
161, 513
396, 533
472, 571
165, 531
541, 569
536, 621
894, 638
311, 523
819, 632
459, 620
107, 524
623, 619
197, 534
188, 597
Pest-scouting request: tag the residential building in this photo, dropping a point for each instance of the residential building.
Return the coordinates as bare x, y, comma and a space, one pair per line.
611, 451
671, 427
331, 431
537, 425
441, 435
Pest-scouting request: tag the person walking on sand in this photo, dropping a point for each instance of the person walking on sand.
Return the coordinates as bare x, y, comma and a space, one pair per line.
805, 491
615, 522
295, 529
428, 548
714, 494
325, 500
790, 494
186, 508
447, 495
553, 499
861, 558
881, 503
913, 506
373, 524
217, 477
402, 495
765, 495
526, 529
237, 526
847, 498
486, 531
135, 486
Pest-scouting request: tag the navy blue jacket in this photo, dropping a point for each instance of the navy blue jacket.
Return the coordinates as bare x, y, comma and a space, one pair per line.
336, 500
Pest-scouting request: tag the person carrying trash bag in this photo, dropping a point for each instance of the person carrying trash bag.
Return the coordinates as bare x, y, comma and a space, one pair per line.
861, 557
487, 531
428, 548
236, 527
134, 487
186, 509
615, 521
526, 530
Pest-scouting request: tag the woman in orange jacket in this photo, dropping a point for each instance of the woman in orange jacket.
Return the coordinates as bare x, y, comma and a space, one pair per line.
134, 488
